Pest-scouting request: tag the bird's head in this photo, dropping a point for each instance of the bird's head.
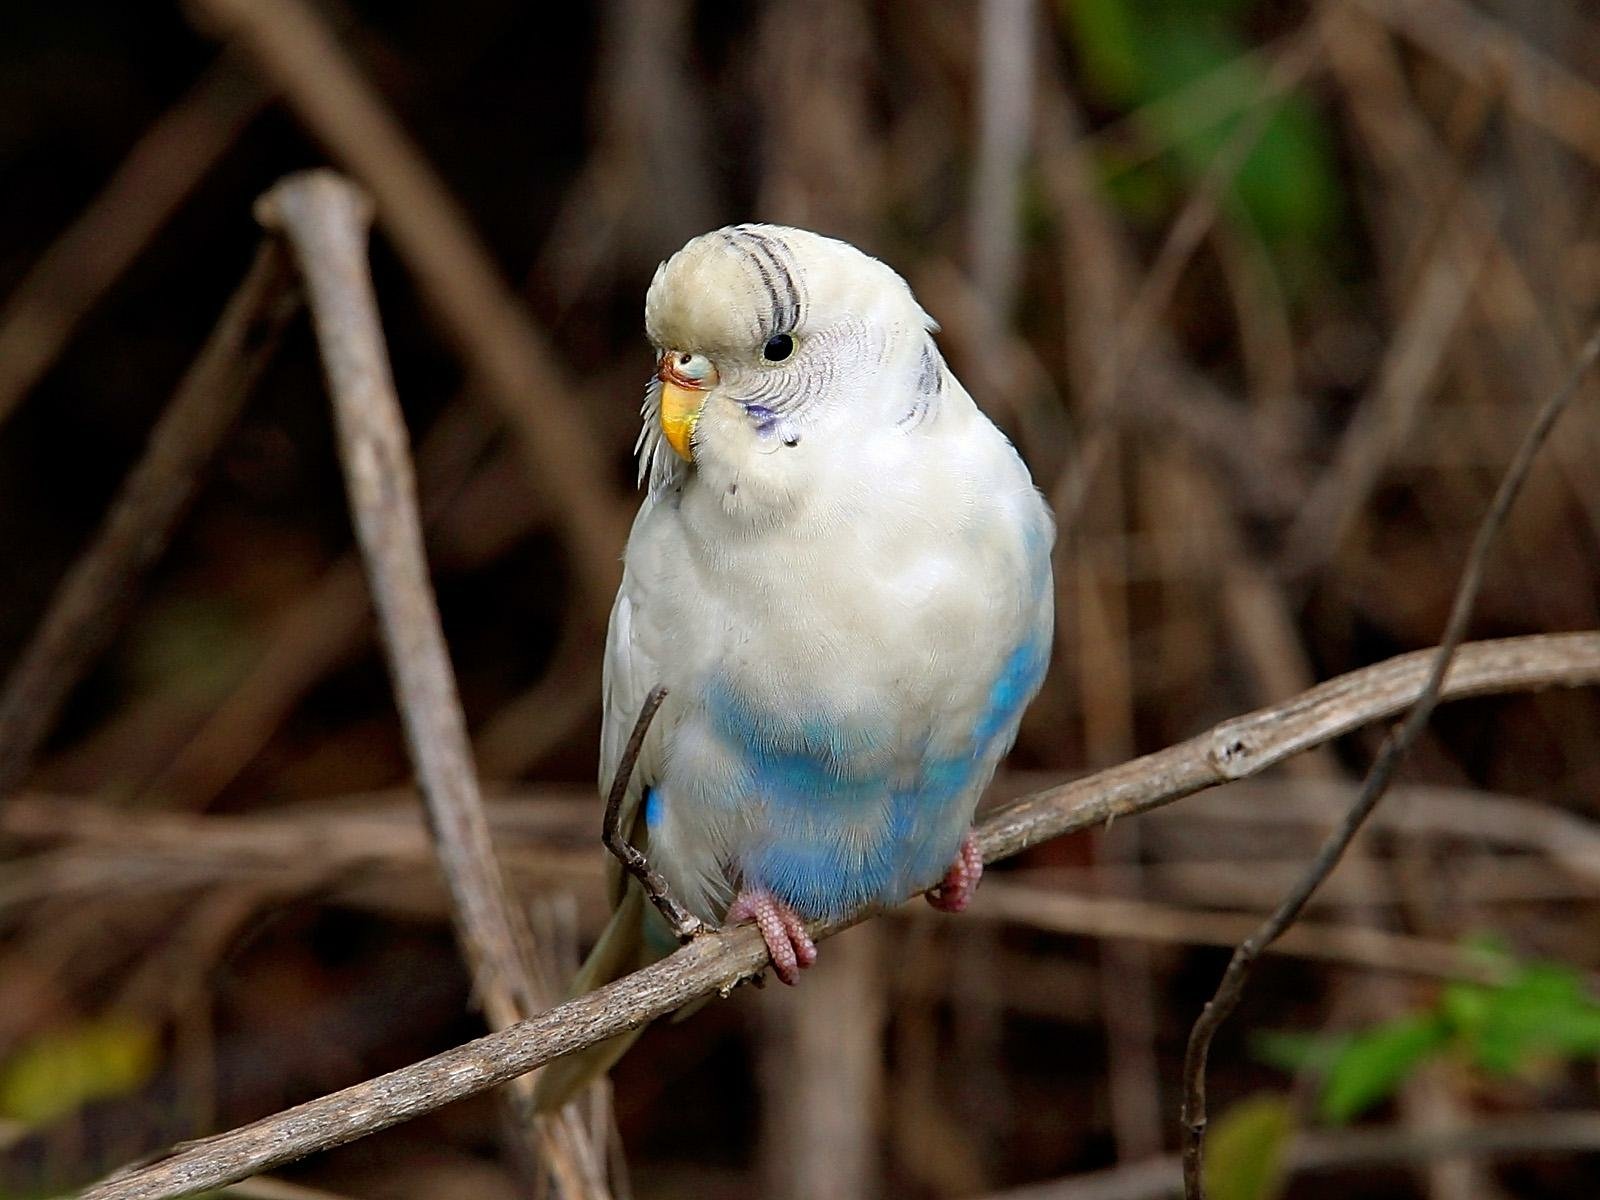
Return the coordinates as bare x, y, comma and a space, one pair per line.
777, 349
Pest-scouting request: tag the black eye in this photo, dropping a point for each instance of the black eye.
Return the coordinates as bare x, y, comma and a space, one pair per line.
779, 346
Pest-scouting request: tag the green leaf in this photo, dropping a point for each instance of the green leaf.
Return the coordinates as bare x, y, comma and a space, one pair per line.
57, 1072
1108, 47
1135, 52
1245, 1150
1544, 1011
1292, 1051
1376, 1062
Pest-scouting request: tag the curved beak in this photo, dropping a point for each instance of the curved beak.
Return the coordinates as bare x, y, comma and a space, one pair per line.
685, 379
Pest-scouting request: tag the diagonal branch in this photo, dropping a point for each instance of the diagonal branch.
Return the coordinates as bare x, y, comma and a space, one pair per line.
1233, 750
684, 923
325, 220
83, 613
1393, 751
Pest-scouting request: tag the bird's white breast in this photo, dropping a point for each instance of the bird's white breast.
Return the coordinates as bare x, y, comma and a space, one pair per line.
893, 609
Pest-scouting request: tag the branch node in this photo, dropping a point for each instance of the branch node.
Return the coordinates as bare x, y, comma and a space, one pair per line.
1234, 752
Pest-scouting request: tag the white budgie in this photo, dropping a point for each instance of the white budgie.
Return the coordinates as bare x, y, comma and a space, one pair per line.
842, 575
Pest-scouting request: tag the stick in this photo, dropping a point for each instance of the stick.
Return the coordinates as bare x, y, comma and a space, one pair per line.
1234, 750
684, 923
1538, 89
325, 220
83, 614
1394, 749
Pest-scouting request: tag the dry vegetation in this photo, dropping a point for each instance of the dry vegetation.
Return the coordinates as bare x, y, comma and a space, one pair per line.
1267, 294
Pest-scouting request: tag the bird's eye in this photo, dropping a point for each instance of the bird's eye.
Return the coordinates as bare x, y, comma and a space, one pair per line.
778, 348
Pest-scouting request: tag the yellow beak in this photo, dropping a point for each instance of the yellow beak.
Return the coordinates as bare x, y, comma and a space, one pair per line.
680, 411
682, 397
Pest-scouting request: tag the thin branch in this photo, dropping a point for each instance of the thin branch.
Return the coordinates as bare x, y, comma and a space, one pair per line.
684, 923
325, 220
83, 614
1134, 333
1539, 89
1233, 750
1389, 413
1393, 751
330, 621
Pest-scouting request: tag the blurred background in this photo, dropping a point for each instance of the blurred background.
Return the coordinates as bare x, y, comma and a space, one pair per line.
1265, 293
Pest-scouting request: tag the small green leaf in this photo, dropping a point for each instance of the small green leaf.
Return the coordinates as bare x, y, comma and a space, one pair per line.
1108, 46
1544, 1011
1292, 1051
1376, 1062
1245, 1150
57, 1072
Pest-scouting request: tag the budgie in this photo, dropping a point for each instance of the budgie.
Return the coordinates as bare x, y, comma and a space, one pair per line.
841, 572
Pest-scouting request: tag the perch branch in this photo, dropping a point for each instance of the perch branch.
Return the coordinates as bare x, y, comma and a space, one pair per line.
83, 613
1390, 755
684, 923
1233, 750
325, 220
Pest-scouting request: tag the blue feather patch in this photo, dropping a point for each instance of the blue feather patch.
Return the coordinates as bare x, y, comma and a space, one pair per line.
1019, 679
844, 824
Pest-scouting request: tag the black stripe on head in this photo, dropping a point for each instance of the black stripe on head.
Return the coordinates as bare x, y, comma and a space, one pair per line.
781, 260
768, 256
763, 268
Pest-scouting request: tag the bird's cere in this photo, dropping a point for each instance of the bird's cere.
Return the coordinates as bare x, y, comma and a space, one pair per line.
685, 379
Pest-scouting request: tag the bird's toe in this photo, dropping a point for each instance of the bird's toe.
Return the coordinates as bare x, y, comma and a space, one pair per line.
788, 943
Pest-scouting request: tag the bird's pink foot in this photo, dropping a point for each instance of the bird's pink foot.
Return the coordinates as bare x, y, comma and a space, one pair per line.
954, 892
788, 943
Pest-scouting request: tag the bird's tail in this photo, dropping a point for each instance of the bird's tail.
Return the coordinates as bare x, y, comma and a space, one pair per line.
625, 946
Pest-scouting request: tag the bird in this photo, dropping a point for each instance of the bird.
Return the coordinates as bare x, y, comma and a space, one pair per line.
840, 572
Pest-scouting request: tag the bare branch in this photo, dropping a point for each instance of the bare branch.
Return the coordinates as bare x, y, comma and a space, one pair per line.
1233, 750
325, 219
83, 613
1393, 751
1539, 89
684, 923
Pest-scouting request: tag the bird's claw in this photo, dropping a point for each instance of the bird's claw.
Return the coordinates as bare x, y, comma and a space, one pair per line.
788, 943
955, 890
